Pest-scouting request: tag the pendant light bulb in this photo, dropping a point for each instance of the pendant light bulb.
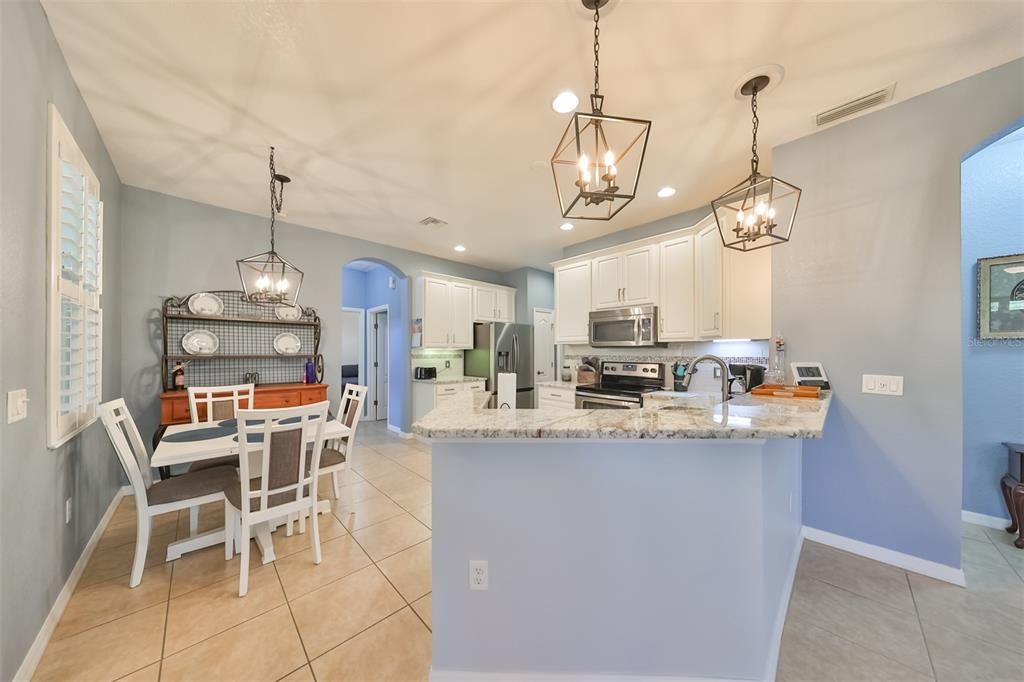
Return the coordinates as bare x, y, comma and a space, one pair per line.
739, 217
584, 162
760, 208
771, 213
609, 158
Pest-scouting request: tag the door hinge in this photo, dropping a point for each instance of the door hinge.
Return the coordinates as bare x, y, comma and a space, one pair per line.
375, 403
375, 325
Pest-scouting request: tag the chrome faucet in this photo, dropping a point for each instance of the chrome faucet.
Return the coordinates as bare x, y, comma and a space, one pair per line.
725, 374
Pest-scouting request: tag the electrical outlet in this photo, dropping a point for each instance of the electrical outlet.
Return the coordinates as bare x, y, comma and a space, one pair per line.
478, 574
67, 511
447, 364
17, 405
882, 384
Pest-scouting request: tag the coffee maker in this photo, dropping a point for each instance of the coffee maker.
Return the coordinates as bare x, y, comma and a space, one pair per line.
749, 376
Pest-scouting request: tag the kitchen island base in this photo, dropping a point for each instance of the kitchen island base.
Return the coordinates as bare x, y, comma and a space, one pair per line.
620, 559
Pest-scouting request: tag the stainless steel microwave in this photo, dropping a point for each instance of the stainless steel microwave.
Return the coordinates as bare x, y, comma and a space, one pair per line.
624, 327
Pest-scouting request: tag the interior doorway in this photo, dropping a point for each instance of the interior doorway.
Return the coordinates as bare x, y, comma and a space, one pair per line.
353, 344
543, 345
378, 362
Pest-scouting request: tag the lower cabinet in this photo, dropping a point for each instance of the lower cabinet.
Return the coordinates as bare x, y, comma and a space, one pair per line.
426, 395
549, 398
174, 404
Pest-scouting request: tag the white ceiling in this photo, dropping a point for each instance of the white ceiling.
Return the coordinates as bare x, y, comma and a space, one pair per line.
386, 112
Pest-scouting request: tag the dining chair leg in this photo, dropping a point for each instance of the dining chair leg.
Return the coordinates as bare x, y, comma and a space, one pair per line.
193, 520
229, 532
290, 526
302, 522
314, 536
243, 574
336, 478
144, 526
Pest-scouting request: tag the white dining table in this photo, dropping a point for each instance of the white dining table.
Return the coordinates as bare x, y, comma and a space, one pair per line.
222, 442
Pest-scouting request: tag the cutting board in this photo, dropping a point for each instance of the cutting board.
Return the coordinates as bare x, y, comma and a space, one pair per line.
780, 391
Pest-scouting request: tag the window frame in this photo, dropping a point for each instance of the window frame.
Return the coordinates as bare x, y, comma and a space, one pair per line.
61, 428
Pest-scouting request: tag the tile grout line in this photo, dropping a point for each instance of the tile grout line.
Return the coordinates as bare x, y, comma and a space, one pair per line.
858, 594
167, 620
861, 646
920, 624
291, 613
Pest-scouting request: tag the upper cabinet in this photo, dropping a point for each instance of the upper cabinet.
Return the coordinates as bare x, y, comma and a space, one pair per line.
625, 279
447, 307
572, 302
709, 281
677, 314
702, 290
492, 303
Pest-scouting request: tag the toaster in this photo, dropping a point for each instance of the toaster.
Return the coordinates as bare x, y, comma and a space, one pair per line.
425, 373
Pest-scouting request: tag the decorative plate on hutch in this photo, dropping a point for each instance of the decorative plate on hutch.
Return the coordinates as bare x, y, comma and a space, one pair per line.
200, 342
205, 303
287, 343
288, 313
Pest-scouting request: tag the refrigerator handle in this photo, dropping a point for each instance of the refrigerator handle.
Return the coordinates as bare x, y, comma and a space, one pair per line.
515, 353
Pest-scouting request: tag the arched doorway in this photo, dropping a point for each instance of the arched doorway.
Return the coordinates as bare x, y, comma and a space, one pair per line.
374, 344
992, 192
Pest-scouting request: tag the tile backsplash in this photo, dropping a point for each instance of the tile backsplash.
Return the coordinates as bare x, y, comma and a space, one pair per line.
429, 357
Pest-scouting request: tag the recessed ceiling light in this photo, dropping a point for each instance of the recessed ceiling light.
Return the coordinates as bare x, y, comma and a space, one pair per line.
460, 248
666, 192
565, 102
566, 226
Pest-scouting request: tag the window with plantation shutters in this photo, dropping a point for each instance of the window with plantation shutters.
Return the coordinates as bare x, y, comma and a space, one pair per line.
75, 240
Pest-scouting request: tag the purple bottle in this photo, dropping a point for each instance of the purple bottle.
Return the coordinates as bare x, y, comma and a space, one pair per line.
310, 371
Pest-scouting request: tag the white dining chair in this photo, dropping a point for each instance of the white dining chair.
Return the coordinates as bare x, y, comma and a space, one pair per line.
282, 485
154, 498
218, 403
334, 458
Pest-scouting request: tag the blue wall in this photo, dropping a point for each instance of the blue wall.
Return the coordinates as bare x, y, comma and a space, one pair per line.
353, 288
992, 197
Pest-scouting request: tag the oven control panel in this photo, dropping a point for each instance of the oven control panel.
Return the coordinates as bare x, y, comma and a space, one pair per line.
643, 370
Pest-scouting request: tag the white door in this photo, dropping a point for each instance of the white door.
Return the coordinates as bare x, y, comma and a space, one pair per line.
436, 313
380, 369
504, 304
640, 276
543, 345
607, 286
675, 313
485, 304
572, 303
709, 273
461, 307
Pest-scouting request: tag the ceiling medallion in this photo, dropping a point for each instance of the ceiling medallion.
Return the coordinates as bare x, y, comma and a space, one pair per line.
758, 211
267, 278
597, 163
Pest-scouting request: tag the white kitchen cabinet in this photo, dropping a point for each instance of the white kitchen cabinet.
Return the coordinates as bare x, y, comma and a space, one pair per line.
485, 303
676, 313
572, 302
627, 278
505, 302
549, 397
426, 395
709, 280
445, 308
747, 294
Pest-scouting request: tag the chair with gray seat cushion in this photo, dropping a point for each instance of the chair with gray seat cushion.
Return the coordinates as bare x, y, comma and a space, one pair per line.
187, 491
333, 459
279, 484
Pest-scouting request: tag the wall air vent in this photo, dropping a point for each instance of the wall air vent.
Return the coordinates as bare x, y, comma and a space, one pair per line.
855, 106
431, 221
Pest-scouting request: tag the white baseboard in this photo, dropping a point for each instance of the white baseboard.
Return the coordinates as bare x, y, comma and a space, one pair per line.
400, 432
997, 522
908, 562
772, 664
465, 676
35, 652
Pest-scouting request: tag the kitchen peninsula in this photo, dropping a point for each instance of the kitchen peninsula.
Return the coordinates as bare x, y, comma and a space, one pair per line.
660, 541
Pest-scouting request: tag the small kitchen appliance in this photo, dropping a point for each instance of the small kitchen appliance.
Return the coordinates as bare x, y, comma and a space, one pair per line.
621, 386
425, 373
624, 327
749, 376
810, 374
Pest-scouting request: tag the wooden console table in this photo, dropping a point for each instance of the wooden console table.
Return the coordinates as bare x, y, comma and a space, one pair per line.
1013, 491
174, 404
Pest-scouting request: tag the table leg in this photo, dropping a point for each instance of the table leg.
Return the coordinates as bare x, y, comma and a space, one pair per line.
261, 532
1018, 499
1007, 485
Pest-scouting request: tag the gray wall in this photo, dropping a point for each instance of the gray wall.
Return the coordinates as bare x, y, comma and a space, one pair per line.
676, 221
870, 283
534, 289
173, 246
37, 549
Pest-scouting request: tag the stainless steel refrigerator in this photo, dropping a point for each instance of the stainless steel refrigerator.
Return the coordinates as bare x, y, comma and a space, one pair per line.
500, 347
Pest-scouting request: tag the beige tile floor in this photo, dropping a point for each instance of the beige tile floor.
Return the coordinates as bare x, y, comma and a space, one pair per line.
364, 614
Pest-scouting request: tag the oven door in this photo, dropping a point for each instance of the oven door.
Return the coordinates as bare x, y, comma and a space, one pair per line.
590, 402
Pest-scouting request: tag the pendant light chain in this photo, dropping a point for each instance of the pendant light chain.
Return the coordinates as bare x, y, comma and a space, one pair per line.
276, 197
597, 48
754, 159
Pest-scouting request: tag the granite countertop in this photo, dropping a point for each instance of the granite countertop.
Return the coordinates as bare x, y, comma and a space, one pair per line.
698, 415
450, 380
567, 385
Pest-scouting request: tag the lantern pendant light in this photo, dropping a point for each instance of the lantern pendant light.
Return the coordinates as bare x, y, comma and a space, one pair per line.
267, 278
597, 163
759, 211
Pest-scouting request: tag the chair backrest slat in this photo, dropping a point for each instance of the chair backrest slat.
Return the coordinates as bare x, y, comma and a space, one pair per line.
221, 402
282, 439
128, 444
351, 410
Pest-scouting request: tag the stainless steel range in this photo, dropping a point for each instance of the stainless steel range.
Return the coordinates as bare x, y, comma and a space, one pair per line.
621, 386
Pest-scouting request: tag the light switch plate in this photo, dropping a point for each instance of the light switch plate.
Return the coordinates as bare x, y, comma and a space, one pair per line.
17, 405
882, 384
